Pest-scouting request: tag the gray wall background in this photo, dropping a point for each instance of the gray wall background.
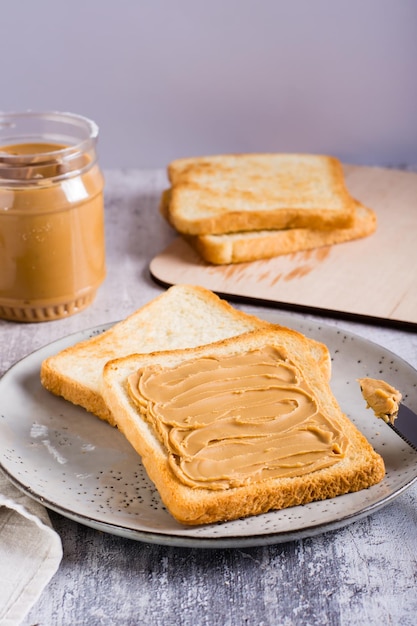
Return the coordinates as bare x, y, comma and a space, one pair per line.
165, 79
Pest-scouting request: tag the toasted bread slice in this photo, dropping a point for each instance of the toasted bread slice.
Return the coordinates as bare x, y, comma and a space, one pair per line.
183, 316
213, 490
233, 193
264, 244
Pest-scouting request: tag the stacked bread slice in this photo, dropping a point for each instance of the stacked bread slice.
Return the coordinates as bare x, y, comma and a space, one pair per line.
231, 415
245, 207
238, 427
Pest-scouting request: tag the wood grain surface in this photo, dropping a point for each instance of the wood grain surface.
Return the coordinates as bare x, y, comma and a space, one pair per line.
364, 573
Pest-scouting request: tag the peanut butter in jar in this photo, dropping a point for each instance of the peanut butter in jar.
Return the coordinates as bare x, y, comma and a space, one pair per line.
52, 248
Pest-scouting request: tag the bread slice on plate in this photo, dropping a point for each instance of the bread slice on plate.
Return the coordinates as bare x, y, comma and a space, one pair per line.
238, 427
181, 317
234, 193
264, 244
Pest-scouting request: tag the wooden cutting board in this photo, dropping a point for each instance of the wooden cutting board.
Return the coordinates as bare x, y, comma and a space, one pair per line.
374, 278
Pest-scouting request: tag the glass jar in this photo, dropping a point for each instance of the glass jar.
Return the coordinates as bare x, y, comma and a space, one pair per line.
52, 246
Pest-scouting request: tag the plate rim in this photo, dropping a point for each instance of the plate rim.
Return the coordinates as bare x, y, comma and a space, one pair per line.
225, 541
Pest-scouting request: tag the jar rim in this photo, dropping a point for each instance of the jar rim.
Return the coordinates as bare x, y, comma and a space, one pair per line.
66, 142
8, 120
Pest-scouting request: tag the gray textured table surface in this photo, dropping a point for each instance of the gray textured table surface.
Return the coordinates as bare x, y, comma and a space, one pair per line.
364, 573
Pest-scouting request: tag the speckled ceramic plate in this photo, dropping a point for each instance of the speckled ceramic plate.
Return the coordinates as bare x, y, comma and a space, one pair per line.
79, 466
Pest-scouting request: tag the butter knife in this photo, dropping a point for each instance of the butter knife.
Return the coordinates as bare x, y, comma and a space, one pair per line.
405, 425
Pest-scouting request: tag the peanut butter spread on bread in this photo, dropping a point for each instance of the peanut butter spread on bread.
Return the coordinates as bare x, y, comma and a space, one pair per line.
381, 397
227, 422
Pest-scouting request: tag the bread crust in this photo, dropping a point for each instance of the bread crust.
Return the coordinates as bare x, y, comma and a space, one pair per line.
359, 469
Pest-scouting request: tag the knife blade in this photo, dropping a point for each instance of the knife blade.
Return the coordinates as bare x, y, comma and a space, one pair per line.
405, 425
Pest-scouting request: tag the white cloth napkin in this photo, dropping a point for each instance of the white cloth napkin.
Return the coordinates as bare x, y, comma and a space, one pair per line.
30, 553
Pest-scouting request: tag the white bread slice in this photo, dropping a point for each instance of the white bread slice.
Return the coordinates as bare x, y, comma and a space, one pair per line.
183, 316
234, 193
360, 468
264, 244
